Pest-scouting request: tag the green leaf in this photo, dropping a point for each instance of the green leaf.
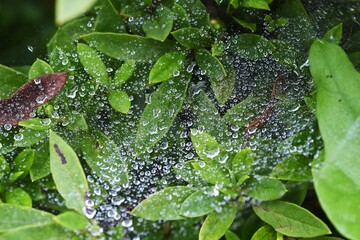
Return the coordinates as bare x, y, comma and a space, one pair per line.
102, 156
291, 219
124, 73
214, 69
217, 223
213, 173
18, 196
246, 24
39, 68
66, 10
29, 137
4, 169
44, 231
334, 35
206, 146
242, 164
67, 173
264, 233
338, 114
159, 25
256, 4
181, 18
264, 188
167, 66
12, 217
92, 63
160, 113
163, 205
250, 46
76, 122
120, 101
293, 168
23, 162
72, 220
229, 235
187, 172
108, 19
37, 123
192, 37
128, 47
41, 163
209, 198
10, 81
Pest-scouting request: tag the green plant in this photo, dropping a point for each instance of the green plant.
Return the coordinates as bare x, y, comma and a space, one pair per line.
189, 119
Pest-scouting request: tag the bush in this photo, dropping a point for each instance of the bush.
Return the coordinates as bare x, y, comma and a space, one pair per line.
186, 119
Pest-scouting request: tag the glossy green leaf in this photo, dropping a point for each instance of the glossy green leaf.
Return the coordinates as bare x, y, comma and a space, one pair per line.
41, 163
205, 145
18, 196
250, 46
43, 231
334, 35
338, 114
12, 217
293, 168
264, 233
242, 164
181, 18
108, 19
23, 162
229, 235
67, 173
160, 113
76, 122
120, 101
257, 4
128, 47
167, 66
39, 67
213, 173
264, 188
124, 73
36, 123
187, 172
160, 24
246, 24
102, 155
217, 223
192, 37
10, 81
163, 205
209, 198
4, 169
72, 220
291, 219
214, 69
66, 10
92, 63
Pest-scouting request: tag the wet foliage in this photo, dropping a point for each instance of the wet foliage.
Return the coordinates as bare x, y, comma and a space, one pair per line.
189, 119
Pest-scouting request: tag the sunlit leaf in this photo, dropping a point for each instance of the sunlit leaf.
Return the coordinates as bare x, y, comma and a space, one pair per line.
265, 232
334, 35
229, 235
36, 123
217, 223
291, 219
338, 114
39, 67
163, 205
120, 101
66, 10
167, 66
67, 173
72, 220
257, 4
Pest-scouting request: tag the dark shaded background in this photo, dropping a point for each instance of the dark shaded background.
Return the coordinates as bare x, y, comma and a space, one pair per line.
24, 25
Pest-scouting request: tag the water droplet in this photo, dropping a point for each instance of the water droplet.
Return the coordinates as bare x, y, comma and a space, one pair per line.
30, 48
